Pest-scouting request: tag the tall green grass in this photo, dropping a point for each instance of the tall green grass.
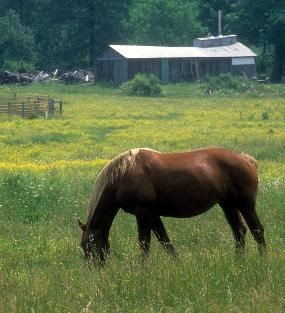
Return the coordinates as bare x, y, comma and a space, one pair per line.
47, 172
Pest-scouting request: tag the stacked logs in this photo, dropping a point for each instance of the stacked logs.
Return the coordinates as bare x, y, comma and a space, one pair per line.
79, 76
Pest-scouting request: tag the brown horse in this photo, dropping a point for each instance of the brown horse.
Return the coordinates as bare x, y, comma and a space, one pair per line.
150, 184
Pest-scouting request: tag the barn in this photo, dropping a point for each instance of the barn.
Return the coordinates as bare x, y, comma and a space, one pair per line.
208, 56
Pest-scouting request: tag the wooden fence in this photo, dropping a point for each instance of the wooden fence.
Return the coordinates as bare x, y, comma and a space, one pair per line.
29, 106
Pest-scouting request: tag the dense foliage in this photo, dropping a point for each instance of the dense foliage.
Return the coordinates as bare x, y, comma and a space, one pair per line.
226, 82
17, 45
68, 34
262, 22
163, 22
142, 85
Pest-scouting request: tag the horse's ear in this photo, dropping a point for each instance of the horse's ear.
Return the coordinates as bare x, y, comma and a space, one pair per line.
81, 225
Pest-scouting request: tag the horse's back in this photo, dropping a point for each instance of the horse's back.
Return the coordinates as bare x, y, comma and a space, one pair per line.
219, 159
198, 179
208, 166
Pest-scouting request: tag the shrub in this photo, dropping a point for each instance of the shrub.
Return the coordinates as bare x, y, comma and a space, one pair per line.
142, 85
227, 82
265, 115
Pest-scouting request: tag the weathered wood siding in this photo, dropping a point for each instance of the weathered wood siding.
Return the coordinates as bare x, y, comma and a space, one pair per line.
182, 70
214, 67
105, 70
249, 70
147, 66
120, 70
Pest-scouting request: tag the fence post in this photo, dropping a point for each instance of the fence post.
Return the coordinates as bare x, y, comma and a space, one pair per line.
60, 107
23, 109
36, 106
50, 110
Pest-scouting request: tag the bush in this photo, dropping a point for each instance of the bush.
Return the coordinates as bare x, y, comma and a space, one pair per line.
265, 115
227, 82
142, 85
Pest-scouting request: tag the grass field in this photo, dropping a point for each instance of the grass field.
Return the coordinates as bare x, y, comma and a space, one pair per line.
47, 171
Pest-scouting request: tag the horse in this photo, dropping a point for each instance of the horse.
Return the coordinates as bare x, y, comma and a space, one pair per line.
150, 184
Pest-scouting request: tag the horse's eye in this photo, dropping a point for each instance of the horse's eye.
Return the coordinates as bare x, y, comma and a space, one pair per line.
91, 238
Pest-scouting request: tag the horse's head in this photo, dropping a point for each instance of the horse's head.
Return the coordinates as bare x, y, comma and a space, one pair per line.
91, 244
88, 244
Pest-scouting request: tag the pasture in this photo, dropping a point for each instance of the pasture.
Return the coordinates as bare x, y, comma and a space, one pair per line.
48, 169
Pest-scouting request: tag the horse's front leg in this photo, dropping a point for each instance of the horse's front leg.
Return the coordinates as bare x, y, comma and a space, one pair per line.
144, 222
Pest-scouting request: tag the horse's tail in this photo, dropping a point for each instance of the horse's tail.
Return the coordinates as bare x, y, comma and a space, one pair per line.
250, 159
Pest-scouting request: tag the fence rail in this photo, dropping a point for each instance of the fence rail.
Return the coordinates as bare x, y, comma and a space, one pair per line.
27, 106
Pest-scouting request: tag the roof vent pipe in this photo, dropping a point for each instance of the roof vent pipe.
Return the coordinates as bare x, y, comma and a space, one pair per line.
220, 22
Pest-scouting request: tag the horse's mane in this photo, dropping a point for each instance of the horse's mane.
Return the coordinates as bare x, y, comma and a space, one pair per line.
110, 174
250, 159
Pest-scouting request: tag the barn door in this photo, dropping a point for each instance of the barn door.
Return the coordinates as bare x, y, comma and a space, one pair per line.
165, 71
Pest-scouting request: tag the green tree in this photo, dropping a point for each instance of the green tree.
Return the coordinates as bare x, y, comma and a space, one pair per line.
262, 22
101, 22
163, 22
17, 46
60, 35
69, 33
209, 14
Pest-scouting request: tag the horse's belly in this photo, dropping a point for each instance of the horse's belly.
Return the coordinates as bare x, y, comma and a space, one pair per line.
182, 211
184, 206
167, 200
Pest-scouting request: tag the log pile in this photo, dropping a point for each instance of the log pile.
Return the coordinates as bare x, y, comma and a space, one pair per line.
18, 78
79, 76
22, 78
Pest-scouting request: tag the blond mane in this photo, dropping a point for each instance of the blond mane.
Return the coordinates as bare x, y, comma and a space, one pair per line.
112, 172
250, 159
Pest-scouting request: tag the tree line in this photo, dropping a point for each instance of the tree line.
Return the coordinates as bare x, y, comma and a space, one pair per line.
68, 34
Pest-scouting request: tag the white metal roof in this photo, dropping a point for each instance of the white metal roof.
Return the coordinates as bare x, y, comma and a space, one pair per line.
153, 52
217, 37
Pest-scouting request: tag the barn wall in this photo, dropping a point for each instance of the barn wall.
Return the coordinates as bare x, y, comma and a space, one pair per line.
249, 70
105, 70
196, 69
147, 66
182, 70
244, 66
115, 71
214, 66
222, 66
111, 67
170, 70
110, 54
120, 71
165, 71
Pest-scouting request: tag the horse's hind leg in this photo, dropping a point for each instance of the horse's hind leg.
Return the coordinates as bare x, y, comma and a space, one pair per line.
161, 235
255, 226
239, 231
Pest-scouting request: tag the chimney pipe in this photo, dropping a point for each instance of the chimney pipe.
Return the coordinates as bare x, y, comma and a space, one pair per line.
220, 22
